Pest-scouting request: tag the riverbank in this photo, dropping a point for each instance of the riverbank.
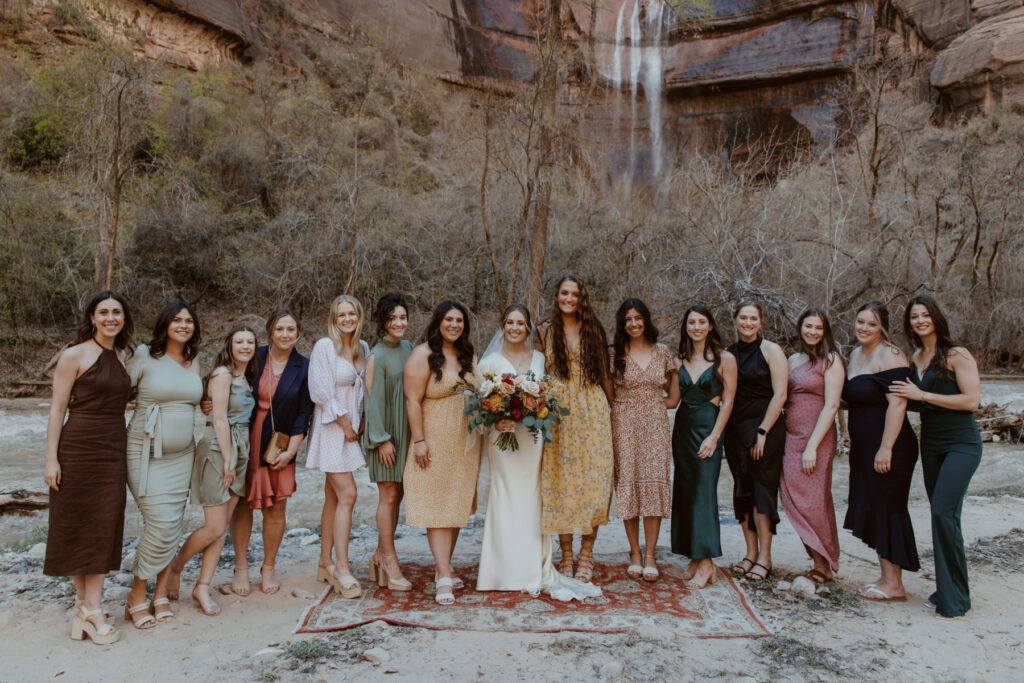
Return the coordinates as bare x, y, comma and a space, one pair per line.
829, 636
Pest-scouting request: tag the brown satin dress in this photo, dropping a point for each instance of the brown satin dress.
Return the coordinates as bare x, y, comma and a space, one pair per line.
87, 513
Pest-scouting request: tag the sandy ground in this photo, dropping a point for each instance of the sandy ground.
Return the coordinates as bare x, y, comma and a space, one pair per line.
834, 637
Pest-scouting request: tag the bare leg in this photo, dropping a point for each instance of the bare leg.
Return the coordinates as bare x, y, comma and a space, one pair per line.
764, 542
327, 516
389, 496
273, 534
652, 528
217, 518
633, 534
92, 595
750, 556
441, 543
343, 485
241, 532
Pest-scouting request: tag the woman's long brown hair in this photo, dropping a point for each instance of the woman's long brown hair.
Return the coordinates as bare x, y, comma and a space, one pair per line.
593, 340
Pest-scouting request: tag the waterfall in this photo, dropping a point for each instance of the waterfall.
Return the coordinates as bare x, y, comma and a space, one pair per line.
645, 19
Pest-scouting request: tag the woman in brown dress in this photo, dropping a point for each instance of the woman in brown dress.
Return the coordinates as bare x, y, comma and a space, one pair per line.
86, 466
642, 370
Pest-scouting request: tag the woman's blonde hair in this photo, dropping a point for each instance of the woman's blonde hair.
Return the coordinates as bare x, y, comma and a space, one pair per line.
335, 333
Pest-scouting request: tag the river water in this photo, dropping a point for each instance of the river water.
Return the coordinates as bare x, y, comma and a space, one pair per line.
23, 433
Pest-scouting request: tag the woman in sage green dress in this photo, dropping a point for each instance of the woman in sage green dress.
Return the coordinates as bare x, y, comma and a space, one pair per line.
946, 393
218, 477
707, 386
386, 433
161, 451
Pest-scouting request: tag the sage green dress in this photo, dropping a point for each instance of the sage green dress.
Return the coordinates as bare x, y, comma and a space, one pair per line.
161, 453
208, 474
695, 527
385, 418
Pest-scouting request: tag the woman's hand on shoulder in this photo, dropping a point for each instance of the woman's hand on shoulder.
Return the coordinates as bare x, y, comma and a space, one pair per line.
894, 359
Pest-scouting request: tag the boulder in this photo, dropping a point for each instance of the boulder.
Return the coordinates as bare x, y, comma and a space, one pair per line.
934, 22
984, 66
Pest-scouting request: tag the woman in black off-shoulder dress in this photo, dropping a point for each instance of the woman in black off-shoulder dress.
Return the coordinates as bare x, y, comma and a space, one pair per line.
883, 454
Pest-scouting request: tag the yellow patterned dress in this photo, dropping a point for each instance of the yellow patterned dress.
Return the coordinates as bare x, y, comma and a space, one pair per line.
444, 494
578, 465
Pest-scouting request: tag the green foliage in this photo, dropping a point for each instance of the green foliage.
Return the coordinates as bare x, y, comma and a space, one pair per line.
45, 259
309, 650
35, 140
69, 13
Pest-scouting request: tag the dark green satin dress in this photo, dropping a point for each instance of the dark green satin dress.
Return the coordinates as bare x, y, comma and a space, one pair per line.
695, 528
950, 453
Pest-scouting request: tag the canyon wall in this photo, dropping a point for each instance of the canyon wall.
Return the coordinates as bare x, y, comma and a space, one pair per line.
754, 69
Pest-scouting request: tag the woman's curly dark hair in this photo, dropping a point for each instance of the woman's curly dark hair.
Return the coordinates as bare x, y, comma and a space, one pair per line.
593, 340
158, 345
621, 339
713, 346
125, 340
433, 339
386, 305
943, 340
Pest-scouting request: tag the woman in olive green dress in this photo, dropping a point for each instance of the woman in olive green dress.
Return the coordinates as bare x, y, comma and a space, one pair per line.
945, 388
386, 434
707, 386
218, 477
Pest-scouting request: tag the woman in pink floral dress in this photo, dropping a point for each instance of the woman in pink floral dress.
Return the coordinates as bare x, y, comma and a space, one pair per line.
642, 370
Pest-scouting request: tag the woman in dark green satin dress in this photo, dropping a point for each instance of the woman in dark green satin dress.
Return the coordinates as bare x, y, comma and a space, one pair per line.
707, 385
945, 388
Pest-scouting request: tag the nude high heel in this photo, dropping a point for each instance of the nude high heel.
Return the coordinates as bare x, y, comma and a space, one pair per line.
82, 627
380, 571
323, 574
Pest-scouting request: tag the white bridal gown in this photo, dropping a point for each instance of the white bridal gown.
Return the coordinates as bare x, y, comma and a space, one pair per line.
515, 556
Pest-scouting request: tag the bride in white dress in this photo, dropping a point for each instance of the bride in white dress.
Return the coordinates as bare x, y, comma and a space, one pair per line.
515, 556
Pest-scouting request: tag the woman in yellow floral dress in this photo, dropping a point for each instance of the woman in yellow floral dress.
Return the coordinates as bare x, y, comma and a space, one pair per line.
578, 465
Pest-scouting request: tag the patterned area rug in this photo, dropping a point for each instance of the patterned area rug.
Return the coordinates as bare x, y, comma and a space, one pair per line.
718, 611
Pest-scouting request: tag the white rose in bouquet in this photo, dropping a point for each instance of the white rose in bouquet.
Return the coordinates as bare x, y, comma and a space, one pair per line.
486, 387
531, 387
518, 380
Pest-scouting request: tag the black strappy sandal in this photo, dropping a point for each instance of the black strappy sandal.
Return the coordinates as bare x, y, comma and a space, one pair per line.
739, 570
758, 577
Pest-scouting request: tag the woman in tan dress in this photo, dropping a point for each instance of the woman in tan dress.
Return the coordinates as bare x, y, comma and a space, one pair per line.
642, 371
444, 460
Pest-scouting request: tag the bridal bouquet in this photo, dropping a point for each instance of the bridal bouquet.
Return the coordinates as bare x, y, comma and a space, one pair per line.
518, 397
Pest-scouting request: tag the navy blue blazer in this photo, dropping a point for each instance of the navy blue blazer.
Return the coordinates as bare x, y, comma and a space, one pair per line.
293, 409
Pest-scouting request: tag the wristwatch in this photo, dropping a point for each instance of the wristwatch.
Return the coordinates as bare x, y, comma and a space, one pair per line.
762, 431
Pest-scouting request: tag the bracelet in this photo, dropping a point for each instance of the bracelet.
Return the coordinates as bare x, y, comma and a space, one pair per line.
420, 441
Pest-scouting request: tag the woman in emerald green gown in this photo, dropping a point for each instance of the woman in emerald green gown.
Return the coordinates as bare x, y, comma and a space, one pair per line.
707, 386
945, 388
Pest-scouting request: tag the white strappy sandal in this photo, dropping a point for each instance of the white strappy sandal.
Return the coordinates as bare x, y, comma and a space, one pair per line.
81, 627
446, 597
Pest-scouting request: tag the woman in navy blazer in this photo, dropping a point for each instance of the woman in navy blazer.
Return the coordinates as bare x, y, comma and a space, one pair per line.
282, 405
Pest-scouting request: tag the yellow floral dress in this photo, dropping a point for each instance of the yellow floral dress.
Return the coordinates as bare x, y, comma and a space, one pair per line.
578, 465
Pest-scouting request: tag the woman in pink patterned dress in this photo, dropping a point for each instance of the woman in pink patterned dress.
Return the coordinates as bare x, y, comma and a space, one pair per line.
641, 370
816, 376
336, 388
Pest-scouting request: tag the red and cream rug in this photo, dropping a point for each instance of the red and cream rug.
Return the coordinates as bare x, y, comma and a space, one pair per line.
718, 611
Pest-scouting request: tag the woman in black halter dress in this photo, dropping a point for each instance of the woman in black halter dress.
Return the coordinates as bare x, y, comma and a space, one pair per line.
755, 439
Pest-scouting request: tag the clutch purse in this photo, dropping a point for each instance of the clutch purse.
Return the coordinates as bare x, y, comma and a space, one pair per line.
278, 442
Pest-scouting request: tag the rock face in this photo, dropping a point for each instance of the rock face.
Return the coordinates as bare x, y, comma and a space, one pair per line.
984, 66
755, 69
